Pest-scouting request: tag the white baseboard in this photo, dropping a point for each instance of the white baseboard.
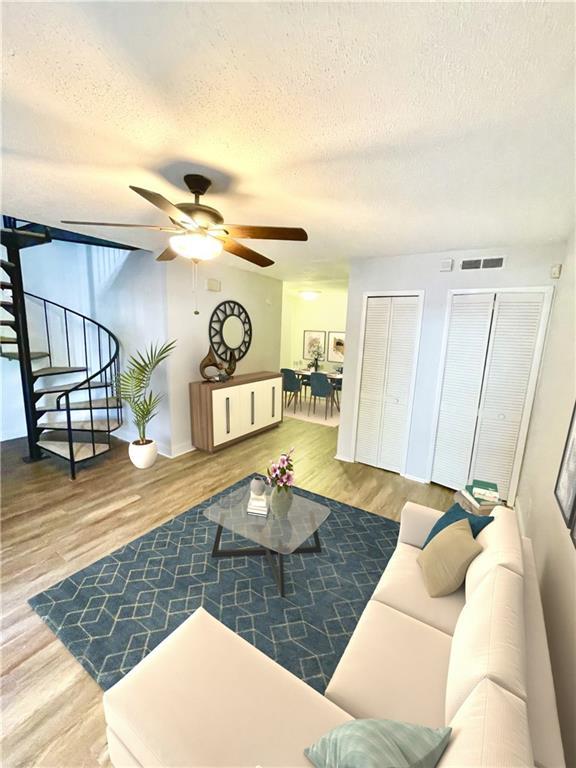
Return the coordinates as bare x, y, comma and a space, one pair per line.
181, 449
340, 457
417, 479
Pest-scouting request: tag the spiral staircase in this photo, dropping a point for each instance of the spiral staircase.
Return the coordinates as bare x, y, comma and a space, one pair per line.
68, 365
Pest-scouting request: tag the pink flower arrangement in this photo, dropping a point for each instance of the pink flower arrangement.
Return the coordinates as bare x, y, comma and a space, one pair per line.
281, 473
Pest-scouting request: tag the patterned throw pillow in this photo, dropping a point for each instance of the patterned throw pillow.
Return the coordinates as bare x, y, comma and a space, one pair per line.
379, 744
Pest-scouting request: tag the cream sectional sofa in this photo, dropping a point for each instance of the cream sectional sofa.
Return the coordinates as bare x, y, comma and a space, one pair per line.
476, 660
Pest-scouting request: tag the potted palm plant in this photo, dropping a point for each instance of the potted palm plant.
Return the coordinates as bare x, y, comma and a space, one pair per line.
133, 386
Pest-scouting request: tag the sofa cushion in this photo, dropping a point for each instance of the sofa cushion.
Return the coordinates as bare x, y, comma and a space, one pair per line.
541, 701
393, 668
206, 697
490, 730
489, 640
501, 545
455, 513
402, 587
379, 744
445, 560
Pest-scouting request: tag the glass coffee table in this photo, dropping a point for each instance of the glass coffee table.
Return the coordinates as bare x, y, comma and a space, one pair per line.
278, 534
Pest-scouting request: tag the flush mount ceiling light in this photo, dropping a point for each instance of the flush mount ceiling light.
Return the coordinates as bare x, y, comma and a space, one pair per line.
197, 246
309, 295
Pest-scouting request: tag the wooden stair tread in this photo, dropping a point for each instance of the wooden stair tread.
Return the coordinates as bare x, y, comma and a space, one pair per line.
8, 340
84, 405
56, 370
6, 264
8, 322
5, 286
65, 387
81, 451
16, 356
81, 425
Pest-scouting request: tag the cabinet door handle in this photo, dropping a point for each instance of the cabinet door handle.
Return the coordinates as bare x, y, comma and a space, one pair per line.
227, 415
252, 407
273, 402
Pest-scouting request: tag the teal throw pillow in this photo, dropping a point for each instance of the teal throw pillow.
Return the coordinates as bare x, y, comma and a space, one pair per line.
455, 513
379, 744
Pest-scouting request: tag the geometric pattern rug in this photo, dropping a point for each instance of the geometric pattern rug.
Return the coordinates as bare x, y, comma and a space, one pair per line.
112, 613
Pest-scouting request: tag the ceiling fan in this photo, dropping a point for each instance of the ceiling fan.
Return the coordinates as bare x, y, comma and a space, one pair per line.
199, 232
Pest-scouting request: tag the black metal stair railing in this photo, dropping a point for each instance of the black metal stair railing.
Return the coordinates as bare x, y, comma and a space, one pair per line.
87, 347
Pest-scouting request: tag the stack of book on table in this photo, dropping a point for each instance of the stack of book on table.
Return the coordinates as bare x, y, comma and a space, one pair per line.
480, 497
257, 504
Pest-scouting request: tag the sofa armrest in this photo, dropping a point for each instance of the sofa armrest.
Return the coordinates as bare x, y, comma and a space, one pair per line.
416, 522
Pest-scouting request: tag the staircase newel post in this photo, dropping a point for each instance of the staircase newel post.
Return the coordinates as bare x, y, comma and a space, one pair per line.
23, 343
70, 439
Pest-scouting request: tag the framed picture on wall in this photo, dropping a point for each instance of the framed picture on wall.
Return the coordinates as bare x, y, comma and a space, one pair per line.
565, 490
314, 342
336, 345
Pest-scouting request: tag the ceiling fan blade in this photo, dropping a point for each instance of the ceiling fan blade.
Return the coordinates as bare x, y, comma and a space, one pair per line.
165, 205
246, 253
266, 233
166, 255
115, 224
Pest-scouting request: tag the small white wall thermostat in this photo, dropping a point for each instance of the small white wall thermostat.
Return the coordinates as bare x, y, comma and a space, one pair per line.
555, 271
446, 265
213, 285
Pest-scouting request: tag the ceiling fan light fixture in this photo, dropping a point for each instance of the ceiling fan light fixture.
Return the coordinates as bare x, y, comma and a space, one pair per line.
196, 246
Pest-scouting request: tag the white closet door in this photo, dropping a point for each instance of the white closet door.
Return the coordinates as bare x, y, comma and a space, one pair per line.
510, 362
375, 353
467, 344
398, 382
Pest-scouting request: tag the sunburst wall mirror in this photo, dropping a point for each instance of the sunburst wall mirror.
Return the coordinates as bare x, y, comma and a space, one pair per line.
230, 331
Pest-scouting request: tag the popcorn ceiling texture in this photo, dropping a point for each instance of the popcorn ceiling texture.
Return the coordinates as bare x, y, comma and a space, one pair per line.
383, 128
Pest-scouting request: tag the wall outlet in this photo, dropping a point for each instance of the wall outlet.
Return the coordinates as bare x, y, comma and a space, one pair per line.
213, 285
446, 265
555, 271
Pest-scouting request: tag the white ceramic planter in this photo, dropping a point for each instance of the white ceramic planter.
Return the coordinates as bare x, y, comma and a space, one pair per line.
143, 456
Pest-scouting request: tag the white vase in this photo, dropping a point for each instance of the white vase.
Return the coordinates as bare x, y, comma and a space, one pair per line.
143, 456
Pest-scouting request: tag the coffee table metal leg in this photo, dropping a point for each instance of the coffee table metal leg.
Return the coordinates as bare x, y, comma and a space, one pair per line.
277, 565
216, 546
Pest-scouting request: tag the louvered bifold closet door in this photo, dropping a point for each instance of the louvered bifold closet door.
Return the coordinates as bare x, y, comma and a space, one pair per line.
467, 344
511, 357
375, 353
398, 383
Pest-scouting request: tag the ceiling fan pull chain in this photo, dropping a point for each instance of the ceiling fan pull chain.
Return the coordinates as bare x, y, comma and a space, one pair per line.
195, 286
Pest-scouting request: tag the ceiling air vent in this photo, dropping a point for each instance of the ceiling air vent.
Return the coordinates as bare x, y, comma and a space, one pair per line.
492, 262
471, 264
495, 262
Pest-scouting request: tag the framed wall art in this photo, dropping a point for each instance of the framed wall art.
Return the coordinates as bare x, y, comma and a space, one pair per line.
565, 489
336, 345
314, 344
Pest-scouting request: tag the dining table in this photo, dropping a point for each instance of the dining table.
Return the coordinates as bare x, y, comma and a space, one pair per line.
330, 375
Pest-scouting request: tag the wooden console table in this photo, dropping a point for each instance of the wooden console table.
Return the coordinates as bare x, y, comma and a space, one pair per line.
224, 412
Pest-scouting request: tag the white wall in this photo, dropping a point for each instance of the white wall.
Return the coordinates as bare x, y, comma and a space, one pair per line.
539, 512
261, 296
128, 296
525, 266
326, 313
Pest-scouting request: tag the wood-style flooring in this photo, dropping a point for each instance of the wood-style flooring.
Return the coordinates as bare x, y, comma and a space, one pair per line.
51, 527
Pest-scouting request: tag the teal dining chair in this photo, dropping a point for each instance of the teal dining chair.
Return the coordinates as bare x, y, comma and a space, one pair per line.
291, 387
320, 386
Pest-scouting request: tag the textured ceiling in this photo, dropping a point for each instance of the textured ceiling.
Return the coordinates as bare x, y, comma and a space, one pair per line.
382, 128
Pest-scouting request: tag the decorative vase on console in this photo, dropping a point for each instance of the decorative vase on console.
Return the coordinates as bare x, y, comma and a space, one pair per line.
281, 478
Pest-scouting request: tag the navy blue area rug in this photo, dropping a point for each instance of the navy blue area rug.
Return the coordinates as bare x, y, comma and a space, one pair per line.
112, 613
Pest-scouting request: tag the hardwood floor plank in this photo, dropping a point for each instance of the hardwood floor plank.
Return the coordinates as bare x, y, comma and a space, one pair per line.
52, 527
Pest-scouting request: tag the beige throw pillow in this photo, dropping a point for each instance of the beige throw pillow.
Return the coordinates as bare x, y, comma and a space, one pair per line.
445, 560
